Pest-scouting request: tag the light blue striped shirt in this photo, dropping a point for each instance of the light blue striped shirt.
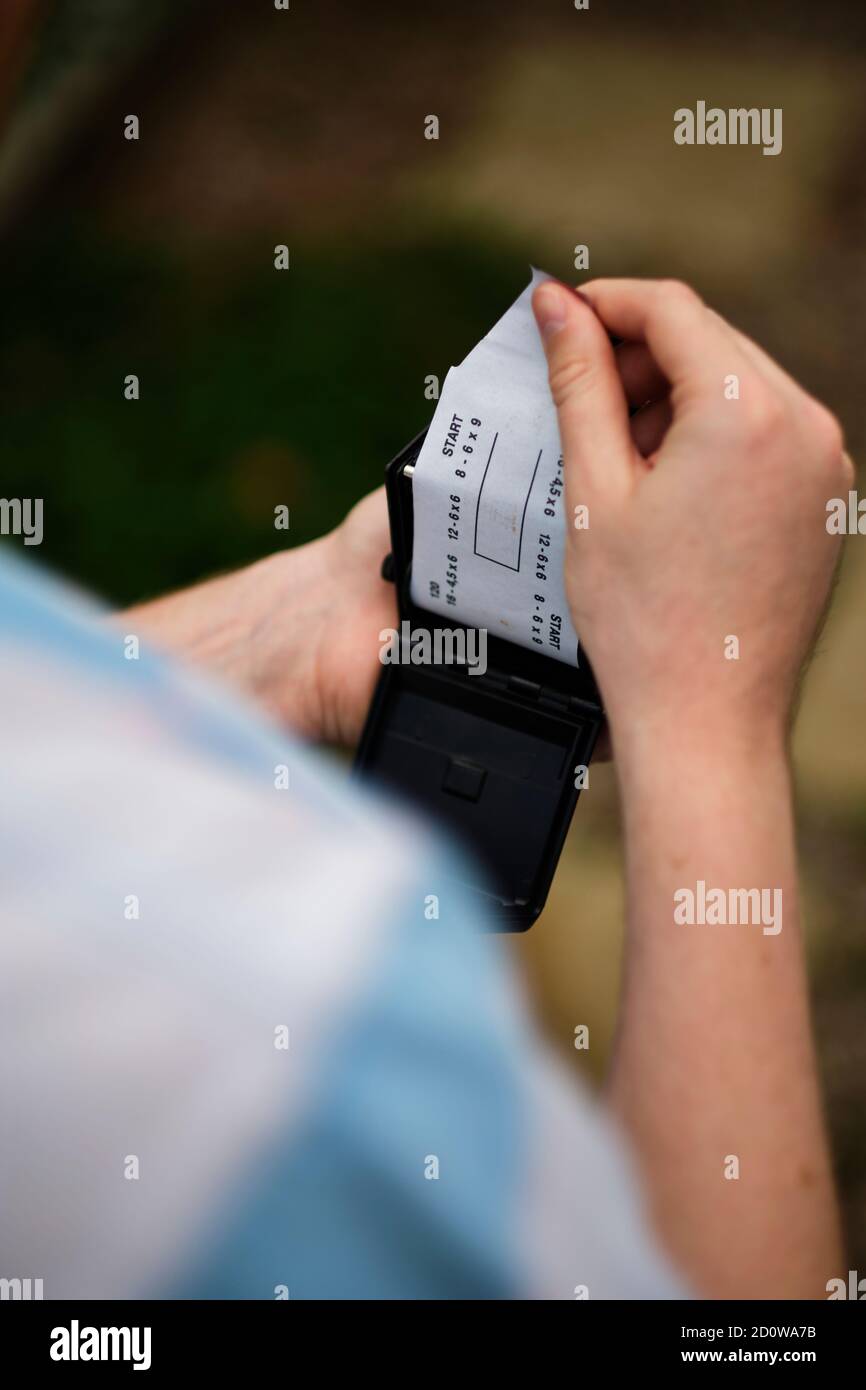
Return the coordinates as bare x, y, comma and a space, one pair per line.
238, 1056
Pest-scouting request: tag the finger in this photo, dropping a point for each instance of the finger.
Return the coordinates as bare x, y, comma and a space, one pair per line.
641, 378
686, 341
587, 392
650, 425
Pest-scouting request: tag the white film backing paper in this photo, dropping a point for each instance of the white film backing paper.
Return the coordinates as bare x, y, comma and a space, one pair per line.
488, 496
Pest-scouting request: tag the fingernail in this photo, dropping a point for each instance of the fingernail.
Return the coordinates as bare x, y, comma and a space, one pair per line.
550, 308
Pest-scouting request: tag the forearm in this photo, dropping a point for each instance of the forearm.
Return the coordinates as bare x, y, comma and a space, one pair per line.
714, 1058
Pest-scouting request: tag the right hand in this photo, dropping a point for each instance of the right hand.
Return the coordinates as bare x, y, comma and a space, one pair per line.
707, 515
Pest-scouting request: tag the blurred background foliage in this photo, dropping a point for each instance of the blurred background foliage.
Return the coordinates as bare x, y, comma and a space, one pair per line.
305, 127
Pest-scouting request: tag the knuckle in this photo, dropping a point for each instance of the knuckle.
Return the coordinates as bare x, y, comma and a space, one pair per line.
677, 294
571, 376
763, 414
827, 433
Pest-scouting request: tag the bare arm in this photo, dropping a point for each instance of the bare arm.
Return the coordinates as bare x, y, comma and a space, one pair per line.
706, 522
714, 1074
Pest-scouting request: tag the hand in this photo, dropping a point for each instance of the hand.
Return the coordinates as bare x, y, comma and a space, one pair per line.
357, 605
706, 514
706, 523
297, 631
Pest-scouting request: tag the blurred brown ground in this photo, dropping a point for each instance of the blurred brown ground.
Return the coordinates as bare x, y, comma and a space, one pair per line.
556, 129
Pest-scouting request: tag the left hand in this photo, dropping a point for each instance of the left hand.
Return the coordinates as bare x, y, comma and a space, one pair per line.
297, 631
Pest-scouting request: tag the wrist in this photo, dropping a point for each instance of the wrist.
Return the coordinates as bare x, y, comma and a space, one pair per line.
696, 745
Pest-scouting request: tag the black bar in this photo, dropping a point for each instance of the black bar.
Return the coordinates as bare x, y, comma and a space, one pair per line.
230, 1338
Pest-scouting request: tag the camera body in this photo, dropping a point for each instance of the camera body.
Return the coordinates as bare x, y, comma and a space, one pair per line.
497, 756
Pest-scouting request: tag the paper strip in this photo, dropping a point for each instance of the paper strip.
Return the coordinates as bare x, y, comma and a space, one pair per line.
488, 494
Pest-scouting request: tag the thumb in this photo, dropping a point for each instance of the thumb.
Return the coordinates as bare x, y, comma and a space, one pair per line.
593, 413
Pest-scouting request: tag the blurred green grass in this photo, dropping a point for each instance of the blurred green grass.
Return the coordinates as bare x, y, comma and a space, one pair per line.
257, 388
